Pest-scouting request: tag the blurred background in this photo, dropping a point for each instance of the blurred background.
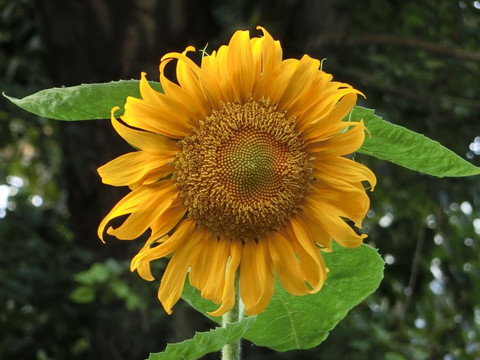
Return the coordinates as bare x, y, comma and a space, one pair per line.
65, 295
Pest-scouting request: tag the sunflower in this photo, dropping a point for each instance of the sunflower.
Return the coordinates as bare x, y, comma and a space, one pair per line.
240, 168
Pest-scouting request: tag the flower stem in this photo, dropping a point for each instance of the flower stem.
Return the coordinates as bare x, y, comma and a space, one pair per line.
232, 351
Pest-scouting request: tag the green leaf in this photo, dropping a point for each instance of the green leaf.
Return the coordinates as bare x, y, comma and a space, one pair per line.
409, 149
206, 342
97, 274
83, 294
83, 102
302, 322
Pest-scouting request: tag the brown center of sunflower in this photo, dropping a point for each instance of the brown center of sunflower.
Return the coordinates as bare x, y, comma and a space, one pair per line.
244, 171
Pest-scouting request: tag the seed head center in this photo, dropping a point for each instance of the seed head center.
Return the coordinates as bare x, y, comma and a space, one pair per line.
245, 171
252, 163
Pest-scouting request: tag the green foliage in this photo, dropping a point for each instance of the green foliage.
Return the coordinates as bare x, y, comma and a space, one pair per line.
404, 147
292, 322
204, 343
21, 58
82, 102
104, 279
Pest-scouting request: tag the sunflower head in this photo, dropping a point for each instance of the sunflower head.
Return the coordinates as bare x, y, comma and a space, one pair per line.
240, 167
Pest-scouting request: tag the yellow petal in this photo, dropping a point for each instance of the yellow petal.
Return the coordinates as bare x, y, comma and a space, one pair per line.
340, 144
130, 203
198, 84
214, 277
147, 116
333, 200
249, 289
161, 196
183, 95
173, 279
256, 277
268, 54
265, 279
132, 167
168, 104
344, 106
330, 111
337, 227
320, 237
153, 176
147, 141
228, 296
168, 219
143, 269
282, 76
312, 99
200, 265
305, 72
170, 245
335, 106
286, 265
221, 75
343, 171
308, 252
240, 65
311, 262
188, 73
210, 88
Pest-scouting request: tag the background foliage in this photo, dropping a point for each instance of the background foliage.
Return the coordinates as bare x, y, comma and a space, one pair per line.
64, 295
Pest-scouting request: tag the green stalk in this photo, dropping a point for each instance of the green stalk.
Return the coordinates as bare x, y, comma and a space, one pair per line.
232, 351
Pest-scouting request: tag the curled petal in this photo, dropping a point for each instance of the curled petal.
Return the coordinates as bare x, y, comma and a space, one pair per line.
170, 245
228, 295
144, 140
136, 200
132, 167
286, 265
173, 278
313, 267
160, 197
342, 172
256, 277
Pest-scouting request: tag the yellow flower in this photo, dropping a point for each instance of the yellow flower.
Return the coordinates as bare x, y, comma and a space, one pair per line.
240, 167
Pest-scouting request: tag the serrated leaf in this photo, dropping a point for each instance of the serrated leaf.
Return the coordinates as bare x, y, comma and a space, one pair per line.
83, 102
302, 322
409, 149
206, 342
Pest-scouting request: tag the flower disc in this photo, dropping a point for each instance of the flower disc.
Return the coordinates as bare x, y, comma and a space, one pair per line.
245, 170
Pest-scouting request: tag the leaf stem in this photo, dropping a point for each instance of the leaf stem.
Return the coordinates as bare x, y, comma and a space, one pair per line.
232, 351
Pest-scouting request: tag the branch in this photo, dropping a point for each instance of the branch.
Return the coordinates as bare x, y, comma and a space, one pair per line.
413, 43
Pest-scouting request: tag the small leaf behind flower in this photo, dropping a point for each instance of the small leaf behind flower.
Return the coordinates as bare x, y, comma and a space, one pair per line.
82, 102
303, 322
409, 149
205, 342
